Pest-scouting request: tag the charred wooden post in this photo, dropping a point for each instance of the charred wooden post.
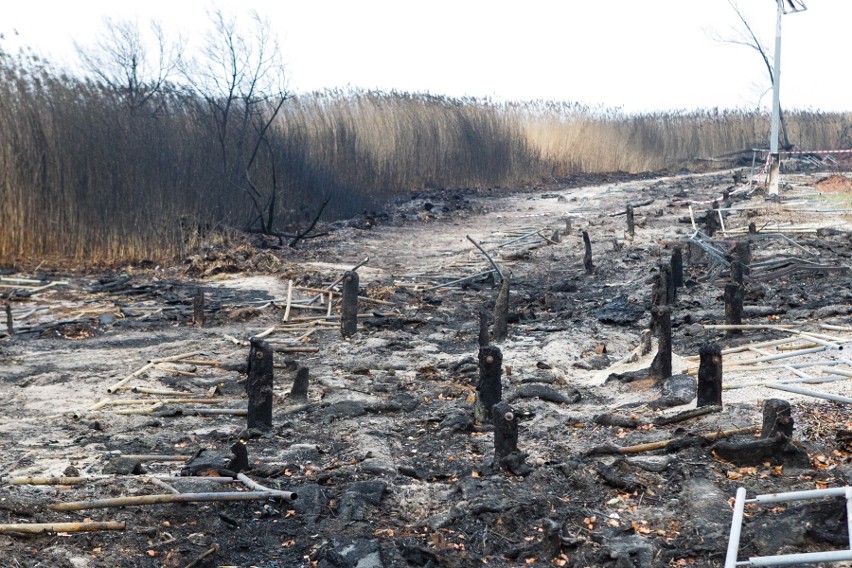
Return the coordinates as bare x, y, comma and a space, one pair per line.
742, 250
661, 290
737, 272
489, 390
501, 312
711, 222
505, 431
240, 461
349, 304
661, 320
587, 255
631, 228
198, 308
752, 229
299, 390
733, 297
484, 334
677, 267
710, 375
777, 417
10, 323
667, 276
259, 385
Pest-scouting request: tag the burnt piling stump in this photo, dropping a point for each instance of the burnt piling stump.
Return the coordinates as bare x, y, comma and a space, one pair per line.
299, 390
777, 417
710, 375
661, 366
484, 332
587, 254
489, 390
677, 267
259, 385
349, 304
501, 312
198, 307
733, 297
631, 226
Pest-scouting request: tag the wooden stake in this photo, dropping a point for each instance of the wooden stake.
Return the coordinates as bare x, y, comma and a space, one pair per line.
172, 498
587, 255
10, 324
733, 297
39, 528
710, 375
349, 307
259, 385
677, 267
661, 366
289, 299
505, 431
198, 308
484, 334
489, 391
501, 312
630, 224
299, 391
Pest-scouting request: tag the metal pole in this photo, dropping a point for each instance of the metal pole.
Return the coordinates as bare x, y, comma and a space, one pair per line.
736, 527
775, 158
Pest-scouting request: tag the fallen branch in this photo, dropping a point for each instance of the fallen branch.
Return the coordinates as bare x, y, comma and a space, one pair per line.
651, 446
687, 414
39, 528
172, 498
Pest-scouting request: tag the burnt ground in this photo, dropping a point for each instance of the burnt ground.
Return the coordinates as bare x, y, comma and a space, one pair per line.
389, 464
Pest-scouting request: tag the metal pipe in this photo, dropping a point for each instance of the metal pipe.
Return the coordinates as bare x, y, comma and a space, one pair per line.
809, 392
849, 515
736, 528
800, 558
798, 495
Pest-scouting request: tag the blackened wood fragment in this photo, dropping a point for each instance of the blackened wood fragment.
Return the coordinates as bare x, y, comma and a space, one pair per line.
501, 312
259, 385
587, 255
661, 366
349, 304
489, 391
733, 297
631, 229
240, 461
777, 450
710, 375
777, 417
677, 267
198, 308
299, 391
737, 272
507, 456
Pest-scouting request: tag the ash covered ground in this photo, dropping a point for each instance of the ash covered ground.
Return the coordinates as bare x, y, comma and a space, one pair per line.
389, 463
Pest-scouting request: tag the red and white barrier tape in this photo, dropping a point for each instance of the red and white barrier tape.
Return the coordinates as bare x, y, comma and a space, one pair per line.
818, 152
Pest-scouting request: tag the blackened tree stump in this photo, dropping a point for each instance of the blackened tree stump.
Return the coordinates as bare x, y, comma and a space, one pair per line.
677, 267
501, 312
587, 255
710, 375
299, 391
349, 304
489, 391
259, 385
777, 417
661, 366
777, 449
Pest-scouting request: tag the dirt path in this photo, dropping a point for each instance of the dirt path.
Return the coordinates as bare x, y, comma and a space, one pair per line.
390, 467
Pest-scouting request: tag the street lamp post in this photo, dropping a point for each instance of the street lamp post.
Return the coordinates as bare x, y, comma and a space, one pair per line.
774, 154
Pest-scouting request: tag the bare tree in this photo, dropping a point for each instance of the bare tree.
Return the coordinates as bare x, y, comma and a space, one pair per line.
747, 37
135, 65
241, 79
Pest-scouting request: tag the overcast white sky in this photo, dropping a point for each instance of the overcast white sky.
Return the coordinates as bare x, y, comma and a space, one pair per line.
634, 54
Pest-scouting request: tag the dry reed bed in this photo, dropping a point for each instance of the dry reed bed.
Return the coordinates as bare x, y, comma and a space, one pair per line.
87, 177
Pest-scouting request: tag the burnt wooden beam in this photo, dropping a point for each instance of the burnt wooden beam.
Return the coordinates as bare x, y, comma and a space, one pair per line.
587, 254
710, 375
198, 307
677, 267
501, 312
777, 417
489, 390
349, 304
259, 385
631, 227
299, 390
661, 320
733, 297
